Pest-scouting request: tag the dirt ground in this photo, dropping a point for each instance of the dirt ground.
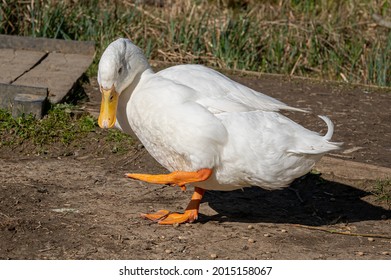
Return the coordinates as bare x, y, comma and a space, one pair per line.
80, 206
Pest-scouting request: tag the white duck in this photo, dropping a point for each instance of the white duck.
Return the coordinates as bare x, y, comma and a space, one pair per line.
203, 127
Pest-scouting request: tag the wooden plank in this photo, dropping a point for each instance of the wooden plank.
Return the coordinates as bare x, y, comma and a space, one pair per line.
29, 104
13, 63
352, 170
8, 93
47, 45
21, 99
58, 72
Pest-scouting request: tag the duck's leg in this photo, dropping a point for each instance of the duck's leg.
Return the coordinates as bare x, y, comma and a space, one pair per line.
179, 178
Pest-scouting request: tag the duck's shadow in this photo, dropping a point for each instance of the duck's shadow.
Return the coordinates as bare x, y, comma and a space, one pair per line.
308, 201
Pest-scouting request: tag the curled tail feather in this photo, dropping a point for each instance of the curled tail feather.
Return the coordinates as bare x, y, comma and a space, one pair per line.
330, 128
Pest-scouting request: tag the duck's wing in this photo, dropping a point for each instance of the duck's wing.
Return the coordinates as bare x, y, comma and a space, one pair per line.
219, 93
179, 133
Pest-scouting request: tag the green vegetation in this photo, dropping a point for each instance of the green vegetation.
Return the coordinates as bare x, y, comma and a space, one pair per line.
64, 125
60, 125
337, 40
120, 141
382, 190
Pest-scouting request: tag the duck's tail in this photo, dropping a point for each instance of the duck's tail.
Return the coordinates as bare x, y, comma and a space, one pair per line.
327, 145
330, 128
316, 147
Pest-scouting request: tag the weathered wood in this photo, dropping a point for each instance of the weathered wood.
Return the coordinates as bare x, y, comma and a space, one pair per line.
29, 104
35, 69
14, 63
352, 170
47, 45
58, 72
8, 93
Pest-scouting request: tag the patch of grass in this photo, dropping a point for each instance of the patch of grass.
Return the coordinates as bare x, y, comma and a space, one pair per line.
59, 125
120, 141
337, 40
64, 125
382, 191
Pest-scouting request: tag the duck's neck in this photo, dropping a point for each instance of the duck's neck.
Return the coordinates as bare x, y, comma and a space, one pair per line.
124, 98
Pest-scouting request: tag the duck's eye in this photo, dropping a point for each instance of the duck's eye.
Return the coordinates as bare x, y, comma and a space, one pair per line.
120, 70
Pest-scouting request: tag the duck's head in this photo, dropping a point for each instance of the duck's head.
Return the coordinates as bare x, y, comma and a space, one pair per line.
120, 65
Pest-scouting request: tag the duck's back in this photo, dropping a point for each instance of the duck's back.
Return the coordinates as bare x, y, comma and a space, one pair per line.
218, 93
266, 149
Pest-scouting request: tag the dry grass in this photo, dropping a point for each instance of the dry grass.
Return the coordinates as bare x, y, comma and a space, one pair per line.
337, 40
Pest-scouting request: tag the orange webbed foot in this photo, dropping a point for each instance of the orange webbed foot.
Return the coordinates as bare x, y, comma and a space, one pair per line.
165, 217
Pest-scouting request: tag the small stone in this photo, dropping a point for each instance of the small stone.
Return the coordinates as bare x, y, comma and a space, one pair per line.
250, 240
250, 227
162, 237
360, 253
175, 225
371, 239
385, 253
168, 251
266, 235
188, 224
181, 237
213, 256
284, 230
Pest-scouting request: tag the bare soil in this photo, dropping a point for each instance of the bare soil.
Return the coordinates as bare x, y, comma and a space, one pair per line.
77, 204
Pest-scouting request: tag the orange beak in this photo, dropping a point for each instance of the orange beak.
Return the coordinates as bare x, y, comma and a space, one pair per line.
108, 108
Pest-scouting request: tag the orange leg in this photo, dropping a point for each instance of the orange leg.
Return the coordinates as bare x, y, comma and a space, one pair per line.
179, 178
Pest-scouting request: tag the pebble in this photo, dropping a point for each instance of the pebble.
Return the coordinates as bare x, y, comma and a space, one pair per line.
360, 253
250, 227
385, 253
284, 230
168, 251
175, 225
266, 235
371, 239
188, 224
250, 240
181, 237
213, 256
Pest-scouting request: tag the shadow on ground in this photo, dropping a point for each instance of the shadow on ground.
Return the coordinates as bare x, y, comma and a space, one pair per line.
308, 201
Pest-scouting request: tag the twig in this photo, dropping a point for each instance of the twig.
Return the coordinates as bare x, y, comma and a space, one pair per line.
296, 63
297, 194
46, 249
335, 231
